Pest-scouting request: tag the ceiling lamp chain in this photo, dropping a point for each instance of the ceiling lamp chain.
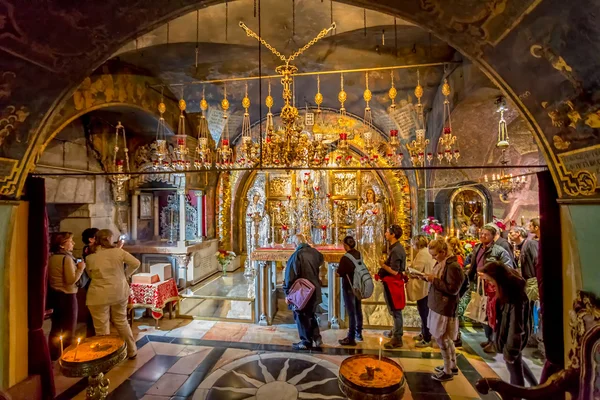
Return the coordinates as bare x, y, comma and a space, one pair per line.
203, 151
392, 93
417, 148
290, 144
249, 149
160, 144
504, 183
180, 161
120, 165
369, 145
447, 140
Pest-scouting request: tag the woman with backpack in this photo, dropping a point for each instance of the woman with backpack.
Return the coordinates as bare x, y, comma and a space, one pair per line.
352, 302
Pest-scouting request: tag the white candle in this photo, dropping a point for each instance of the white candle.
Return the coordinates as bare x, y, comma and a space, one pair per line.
76, 348
380, 343
61, 345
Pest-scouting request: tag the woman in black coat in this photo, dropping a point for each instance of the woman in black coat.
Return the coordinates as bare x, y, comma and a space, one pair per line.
513, 320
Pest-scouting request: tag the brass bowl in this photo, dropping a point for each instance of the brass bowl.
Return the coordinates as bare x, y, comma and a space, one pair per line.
95, 355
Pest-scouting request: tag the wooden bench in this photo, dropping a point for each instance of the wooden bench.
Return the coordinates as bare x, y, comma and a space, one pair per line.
581, 378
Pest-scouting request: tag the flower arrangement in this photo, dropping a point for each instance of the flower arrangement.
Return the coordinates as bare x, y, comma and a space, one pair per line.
468, 245
432, 226
224, 258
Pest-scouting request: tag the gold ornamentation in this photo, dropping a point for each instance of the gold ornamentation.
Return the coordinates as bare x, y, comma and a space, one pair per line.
580, 183
280, 186
584, 316
560, 144
393, 93
345, 184
224, 202
342, 96
162, 107
182, 105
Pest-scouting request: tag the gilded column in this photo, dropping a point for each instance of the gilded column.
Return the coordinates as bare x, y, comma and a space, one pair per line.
134, 214
181, 194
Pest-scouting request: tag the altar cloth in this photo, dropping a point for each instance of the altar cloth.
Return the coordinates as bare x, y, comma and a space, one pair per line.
153, 296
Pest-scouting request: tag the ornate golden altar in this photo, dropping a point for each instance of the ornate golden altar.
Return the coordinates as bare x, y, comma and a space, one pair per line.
264, 262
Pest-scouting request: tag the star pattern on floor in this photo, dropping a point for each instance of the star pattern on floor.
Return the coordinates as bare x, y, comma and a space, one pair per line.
277, 376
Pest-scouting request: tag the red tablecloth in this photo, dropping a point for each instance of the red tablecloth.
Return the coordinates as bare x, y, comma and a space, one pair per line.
154, 296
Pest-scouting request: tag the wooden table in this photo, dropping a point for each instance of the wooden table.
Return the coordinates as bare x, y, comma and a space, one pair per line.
264, 263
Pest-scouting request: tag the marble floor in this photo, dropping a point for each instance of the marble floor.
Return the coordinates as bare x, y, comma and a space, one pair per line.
194, 359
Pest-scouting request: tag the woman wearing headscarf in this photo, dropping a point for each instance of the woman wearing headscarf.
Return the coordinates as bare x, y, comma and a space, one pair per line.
109, 290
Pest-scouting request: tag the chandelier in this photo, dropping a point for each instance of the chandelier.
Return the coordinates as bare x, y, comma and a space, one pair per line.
203, 152
447, 140
418, 147
504, 183
120, 165
289, 146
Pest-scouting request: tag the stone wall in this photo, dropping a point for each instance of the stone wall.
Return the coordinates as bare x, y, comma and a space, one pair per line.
75, 203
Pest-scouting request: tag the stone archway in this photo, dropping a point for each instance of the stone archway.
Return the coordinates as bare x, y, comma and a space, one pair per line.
510, 41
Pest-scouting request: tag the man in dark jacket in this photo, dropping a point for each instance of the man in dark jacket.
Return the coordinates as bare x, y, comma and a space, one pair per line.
305, 263
502, 242
484, 252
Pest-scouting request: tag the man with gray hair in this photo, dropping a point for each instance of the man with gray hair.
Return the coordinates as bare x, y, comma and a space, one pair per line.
305, 263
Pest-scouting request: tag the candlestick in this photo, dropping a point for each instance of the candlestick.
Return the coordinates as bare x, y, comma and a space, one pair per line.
61, 345
76, 348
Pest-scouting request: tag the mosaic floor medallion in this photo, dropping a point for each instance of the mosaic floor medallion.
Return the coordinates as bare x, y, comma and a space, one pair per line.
275, 377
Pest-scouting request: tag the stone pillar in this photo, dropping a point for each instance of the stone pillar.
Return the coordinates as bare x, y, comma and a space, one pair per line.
334, 296
181, 194
199, 215
134, 215
156, 218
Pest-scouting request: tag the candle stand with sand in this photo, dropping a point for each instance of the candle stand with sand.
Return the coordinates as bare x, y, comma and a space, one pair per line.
366, 377
93, 357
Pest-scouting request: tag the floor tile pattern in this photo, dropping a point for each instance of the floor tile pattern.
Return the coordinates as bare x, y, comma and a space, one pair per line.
206, 360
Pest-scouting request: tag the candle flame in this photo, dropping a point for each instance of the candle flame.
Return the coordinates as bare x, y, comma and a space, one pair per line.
78, 340
380, 340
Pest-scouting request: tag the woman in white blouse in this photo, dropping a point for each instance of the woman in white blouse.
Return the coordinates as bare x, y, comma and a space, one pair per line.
108, 293
417, 289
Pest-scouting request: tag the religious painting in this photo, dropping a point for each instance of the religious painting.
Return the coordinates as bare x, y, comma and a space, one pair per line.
345, 211
345, 184
468, 208
145, 206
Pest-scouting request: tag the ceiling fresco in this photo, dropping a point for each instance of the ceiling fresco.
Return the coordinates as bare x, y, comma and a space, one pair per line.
541, 53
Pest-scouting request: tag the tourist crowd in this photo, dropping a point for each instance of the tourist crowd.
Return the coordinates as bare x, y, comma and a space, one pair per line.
441, 276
